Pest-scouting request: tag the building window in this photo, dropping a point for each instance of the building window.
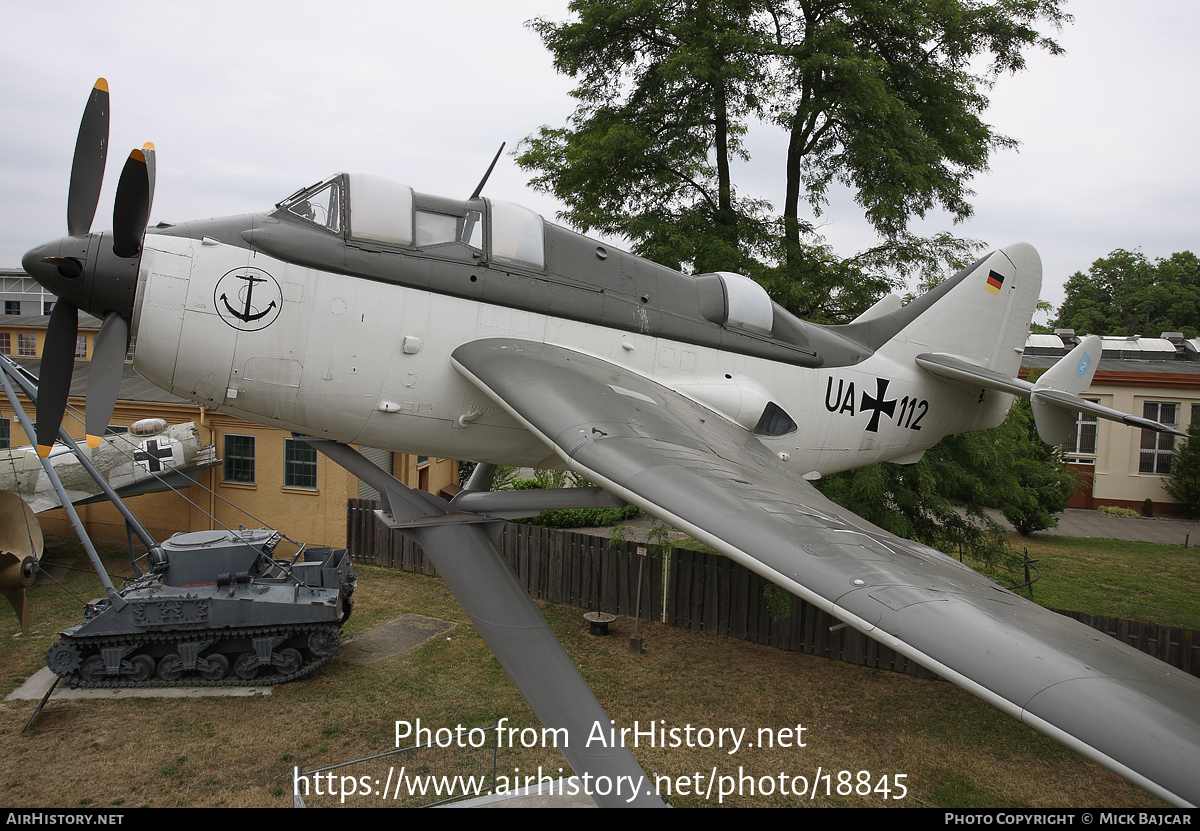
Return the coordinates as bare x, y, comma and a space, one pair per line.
5, 425
5, 343
12, 307
47, 306
81, 347
26, 346
1084, 440
299, 464
239, 459
1158, 447
129, 351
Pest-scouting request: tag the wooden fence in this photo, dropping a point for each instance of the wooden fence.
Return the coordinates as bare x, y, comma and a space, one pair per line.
704, 592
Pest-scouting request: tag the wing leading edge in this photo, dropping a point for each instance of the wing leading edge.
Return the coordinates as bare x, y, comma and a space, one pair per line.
703, 474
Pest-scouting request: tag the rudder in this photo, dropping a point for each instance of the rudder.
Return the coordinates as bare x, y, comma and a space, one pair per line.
984, 317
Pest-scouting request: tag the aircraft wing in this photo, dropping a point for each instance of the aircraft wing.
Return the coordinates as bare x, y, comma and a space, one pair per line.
709, 477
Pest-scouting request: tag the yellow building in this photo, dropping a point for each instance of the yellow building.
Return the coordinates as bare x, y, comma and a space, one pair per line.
266, 478
1156, 378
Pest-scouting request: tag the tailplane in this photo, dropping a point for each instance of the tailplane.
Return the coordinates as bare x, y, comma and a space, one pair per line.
1054, 398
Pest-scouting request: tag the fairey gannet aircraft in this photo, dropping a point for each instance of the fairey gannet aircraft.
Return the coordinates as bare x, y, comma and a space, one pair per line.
360, 311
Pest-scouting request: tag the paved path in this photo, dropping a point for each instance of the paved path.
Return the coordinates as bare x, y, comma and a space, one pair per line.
1077, 522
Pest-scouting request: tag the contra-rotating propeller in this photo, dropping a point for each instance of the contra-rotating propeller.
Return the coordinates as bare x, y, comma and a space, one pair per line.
94, 272
20, 549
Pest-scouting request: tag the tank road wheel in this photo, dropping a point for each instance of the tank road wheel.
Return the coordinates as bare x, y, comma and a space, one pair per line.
93, 669
291, 661
62, 657
143, 667
170, 668
246, 666
323, 642
218, 666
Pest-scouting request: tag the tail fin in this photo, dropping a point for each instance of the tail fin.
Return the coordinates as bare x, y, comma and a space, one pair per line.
1072, 375
980, 315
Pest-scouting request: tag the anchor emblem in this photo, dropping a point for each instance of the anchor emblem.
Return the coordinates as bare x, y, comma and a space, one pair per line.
249, 314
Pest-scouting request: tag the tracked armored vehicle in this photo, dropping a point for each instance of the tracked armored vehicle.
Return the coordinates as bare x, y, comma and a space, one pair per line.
215, 608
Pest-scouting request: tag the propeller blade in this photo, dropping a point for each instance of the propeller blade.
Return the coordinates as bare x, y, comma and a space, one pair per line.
20, 547
58, 363
16, 596
87, 169
131, 210
104, 379
148, 152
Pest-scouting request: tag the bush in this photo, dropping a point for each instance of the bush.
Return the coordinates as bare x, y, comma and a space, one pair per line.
582, 517
1184, 484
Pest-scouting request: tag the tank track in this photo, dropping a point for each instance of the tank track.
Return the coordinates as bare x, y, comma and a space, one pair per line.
291, 634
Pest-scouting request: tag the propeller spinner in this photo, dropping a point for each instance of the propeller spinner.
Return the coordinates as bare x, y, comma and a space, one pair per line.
93, 272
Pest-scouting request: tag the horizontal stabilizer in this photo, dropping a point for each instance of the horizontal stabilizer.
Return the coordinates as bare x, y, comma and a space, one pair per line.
1066, 401
1053, 398
962, 374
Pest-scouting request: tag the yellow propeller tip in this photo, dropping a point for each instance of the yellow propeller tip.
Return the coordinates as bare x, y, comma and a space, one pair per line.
139, 155
101, 84
44, 450
94, 441
148, 146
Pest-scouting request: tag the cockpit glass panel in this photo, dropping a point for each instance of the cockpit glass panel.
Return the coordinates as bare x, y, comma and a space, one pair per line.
381, 209
322, 207
517, 236
435, 229
472, 232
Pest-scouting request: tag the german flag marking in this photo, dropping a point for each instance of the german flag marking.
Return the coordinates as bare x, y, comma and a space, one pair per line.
994, 283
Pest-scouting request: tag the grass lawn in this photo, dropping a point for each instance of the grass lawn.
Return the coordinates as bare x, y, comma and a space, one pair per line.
1137, 580
947, 748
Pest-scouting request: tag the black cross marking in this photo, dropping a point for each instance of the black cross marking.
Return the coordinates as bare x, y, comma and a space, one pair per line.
877, 404
152, 454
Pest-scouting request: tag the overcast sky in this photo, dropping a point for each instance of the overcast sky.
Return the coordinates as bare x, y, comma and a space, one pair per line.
248, 101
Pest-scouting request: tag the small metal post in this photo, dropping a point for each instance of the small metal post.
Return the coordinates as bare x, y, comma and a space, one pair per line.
635, 642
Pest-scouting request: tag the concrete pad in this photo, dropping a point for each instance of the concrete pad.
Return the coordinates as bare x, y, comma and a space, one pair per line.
385, 640
34, 688
393, 638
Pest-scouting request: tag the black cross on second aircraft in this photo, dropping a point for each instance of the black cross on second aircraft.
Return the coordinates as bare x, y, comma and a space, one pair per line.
153, 455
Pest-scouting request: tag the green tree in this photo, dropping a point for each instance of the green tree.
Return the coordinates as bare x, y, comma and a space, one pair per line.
1125, 293
884, 97
887, 99
939, 501
664, 92
1036, 481
1184, 484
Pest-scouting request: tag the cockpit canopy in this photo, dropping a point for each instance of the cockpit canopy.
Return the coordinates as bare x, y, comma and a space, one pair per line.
377, 210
